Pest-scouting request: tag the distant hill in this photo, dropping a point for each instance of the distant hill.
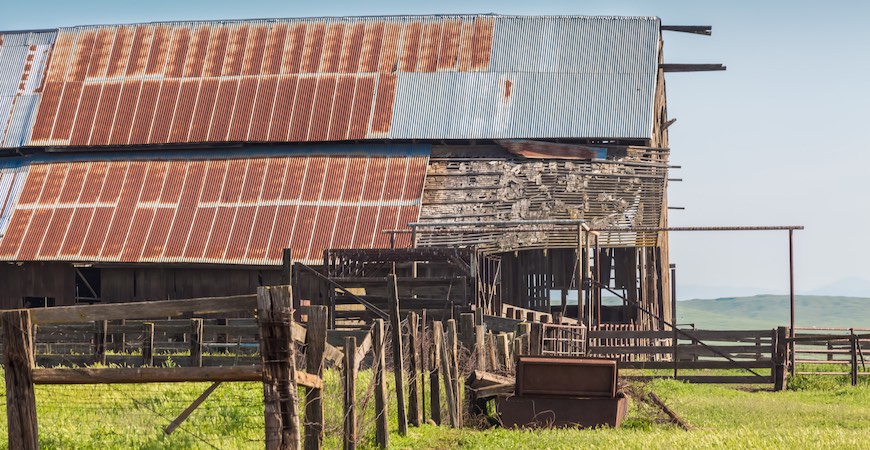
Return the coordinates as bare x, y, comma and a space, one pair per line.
769, 311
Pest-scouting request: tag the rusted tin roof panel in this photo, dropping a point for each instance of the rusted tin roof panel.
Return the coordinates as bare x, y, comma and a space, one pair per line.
23, 58
217, 210
346, 78
12, 176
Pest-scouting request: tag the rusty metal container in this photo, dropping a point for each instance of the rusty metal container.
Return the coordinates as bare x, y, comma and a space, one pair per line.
566, 376
546, 411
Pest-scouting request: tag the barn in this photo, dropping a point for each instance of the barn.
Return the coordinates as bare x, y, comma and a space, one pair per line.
196, 159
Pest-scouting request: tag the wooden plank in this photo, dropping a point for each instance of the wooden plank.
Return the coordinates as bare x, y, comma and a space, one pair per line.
691, 67
726, 335
780, 358
363, 348
682, 350
446, 363
22, 431
480, 347
349, 437
415, 406
137, 375
434, 372
398, 361
382, 432
148, 344
452, 346
196, 342
700, 364
275, 317
500, 324
315, 344
190, 409
737, 379
144, 310
100, 341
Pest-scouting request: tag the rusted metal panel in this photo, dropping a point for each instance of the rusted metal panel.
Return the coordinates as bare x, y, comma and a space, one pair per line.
232, 211
358, 78
566, 376
548, 412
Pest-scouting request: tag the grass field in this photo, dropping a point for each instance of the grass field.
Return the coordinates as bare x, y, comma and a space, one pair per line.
815, 412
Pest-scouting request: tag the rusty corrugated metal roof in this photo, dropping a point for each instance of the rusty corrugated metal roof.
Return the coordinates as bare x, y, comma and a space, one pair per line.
338, 79
219, 210
22, 64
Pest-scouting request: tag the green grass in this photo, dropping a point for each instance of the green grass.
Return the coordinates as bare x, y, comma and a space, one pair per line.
822, 412
770, 311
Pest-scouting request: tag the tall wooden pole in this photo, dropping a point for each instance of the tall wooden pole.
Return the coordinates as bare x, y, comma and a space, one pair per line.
379, 343
398, 362
315, 344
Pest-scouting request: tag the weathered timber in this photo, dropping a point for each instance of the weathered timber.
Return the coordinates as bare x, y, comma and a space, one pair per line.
504, 351
780, 359
135, 375
275, 317
195, 343
315, 344
415, 408
349, 394
22, 431
480, 347
705, 30
144, 310
449, 385
100, 341
434, 372
453, 351
536, 338
147, 344
190, 409
398, 362
382, 433
675, 418
691, 67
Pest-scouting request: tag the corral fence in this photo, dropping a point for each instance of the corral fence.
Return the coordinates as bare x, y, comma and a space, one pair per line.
844, 350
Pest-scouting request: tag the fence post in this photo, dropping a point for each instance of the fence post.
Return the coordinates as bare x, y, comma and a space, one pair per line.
480, 346
780, 359
398, 362
853, 344
148, 344
504, 352
453, 352
466, 331
100, 341
415, 410
119, 340
195, 342
536, 338
382, 433
315, 344
278, 354
18, 365
349, 372
434, 372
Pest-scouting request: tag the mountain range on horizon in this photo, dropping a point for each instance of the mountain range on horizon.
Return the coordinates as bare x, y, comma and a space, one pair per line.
845, 287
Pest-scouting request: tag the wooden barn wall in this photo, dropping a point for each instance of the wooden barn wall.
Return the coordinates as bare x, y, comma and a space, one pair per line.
139, 284
54, 280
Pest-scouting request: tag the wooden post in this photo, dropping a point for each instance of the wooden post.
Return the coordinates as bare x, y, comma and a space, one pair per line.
119, 340
523, 330
491, 352
504, 352
780, 359
466, 331
398, 362
349, 372
315, 344
415, 410
853, 348
536, 338
100, 341
148, 344
278, 355
379, 341
452, 347
196, 342
446, 364
480, 347
434, 372
18, 367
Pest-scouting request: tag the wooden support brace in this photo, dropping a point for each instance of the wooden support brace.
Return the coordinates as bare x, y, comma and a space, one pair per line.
349, 391
379, 338
415, 410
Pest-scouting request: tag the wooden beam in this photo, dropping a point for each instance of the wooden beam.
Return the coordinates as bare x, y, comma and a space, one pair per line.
18, 367
315, 344
143, 310
398, 362
704, 30
190, 409
135, 375
382, 432
691, 67
278, 354
349, 394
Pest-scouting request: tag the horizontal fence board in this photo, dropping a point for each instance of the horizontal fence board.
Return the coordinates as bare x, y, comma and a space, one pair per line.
697, 365
713, 379
143, 310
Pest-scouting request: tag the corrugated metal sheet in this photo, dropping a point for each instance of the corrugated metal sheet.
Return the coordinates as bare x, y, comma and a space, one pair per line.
12, 176
23, 59
335, 79
228, 211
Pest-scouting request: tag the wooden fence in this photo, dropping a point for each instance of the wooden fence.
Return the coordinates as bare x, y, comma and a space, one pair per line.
844, 350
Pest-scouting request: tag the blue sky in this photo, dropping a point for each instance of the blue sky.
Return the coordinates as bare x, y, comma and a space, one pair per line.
776, 139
